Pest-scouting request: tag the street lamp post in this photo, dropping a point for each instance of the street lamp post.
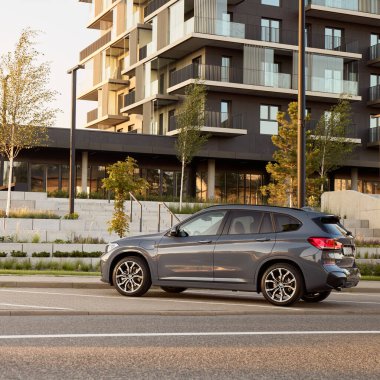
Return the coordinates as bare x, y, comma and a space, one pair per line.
73, 71
301, 134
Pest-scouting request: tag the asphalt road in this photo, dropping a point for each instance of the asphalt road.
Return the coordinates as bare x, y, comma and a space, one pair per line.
195, 335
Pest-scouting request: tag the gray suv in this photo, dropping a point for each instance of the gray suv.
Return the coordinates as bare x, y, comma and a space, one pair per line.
284, 253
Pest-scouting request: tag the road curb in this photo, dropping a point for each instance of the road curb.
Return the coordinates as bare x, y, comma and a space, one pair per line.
62, 285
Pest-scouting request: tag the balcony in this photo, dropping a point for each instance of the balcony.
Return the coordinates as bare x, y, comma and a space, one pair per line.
374, 137
216, 124
129, 99
374, 55
95, 120
237, 80
358, 11
101, 11
374, 96
92, 48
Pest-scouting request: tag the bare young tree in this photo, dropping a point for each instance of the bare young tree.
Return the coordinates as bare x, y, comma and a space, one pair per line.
25, 98
190, 119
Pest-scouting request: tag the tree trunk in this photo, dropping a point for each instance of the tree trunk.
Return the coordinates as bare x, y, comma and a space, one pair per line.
181, 190
9, 187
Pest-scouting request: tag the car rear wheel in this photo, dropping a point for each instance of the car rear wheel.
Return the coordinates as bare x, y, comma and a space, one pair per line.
131, 277
316, 297
282, 284
172, 289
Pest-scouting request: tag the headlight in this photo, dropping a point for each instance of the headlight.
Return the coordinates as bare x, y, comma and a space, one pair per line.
111, 246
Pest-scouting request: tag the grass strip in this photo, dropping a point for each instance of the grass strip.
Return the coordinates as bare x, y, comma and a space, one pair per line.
370, 278
47, 272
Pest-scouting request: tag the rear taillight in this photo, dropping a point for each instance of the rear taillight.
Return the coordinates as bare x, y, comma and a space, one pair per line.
325, 243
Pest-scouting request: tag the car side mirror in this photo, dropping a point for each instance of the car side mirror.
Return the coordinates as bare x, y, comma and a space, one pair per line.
173, 232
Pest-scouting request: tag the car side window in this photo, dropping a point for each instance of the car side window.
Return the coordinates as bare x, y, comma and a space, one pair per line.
245, 222
266, 226
205, 224
286, 223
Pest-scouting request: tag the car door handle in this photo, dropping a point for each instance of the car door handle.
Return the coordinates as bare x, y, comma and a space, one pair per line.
205, 241
263, 239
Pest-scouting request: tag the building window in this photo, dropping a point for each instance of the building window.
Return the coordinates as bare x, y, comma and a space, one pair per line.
374, 80
225, 113
333, 38
270, 30
268, 119
375, 39
225, 69
273, 3
161, 124
374, 122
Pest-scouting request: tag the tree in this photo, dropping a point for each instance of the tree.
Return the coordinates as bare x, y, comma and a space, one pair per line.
121, 180
25, 114
330, 139
190, 119
282, 190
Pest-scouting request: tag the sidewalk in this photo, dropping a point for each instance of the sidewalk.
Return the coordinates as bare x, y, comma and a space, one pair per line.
91, 282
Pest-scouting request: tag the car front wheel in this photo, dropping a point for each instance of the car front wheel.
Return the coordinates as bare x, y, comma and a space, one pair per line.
131, 277
282, 284
316, 297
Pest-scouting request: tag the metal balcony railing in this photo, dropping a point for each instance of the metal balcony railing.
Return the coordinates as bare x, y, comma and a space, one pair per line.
214, 119
374, 52
143, 52
153, 5
374, 93
374, 135
129, 99
366, 6
92, 48
92, 115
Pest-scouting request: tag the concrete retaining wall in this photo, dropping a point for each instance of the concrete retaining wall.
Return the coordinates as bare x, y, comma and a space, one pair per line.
351, 204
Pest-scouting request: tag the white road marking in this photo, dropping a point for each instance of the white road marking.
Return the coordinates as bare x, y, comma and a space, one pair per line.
191, 334
156, 299
34, 306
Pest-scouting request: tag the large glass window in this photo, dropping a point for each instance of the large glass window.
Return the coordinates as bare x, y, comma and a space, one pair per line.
268, 119
333, 38
374, 122
225, 69
38, 177
270, 30
375, 39
52, 178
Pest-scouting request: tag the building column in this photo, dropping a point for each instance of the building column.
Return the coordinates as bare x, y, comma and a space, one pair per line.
84, 171
354, 179
211, 179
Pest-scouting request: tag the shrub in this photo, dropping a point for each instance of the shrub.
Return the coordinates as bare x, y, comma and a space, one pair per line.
88, 240
72, 216
58, 194
18, 254
77, 254
188, 208
40, 254
24, 213
369, 269
3, 254
36, 238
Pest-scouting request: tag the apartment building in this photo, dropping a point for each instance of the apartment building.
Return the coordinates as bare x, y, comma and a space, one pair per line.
246, 53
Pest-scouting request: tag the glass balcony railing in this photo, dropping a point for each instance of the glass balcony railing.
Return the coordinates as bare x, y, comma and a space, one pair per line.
214, 119
219, 27
231, 75
129, 99
333, 86
365, 6
374, 135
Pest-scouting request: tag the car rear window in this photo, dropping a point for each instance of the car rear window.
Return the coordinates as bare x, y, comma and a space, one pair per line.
332, 226
286, 223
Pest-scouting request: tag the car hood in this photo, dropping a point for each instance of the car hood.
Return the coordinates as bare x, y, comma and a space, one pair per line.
140, 240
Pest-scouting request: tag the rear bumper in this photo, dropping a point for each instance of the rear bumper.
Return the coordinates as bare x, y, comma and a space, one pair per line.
342, 277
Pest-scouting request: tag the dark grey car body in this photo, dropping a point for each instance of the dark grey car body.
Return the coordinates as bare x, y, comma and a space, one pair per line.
237, 261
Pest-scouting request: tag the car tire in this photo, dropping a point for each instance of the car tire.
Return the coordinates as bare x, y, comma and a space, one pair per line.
316, 297
172, 289
282, 284
131, 277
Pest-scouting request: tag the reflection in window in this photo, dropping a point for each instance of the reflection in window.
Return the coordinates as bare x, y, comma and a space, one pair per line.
206, 224
268, 119
245, 223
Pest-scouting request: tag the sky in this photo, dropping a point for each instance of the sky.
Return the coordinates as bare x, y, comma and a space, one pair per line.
63, 34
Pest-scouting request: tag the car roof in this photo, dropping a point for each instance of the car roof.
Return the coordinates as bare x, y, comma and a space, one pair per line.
287, 210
